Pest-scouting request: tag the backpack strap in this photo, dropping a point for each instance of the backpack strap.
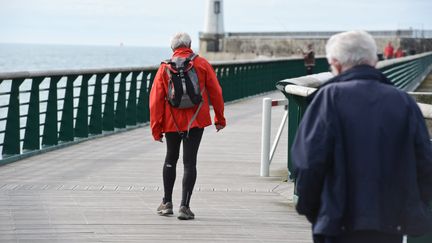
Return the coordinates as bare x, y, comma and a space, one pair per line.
191, 120
192, 56
196, 113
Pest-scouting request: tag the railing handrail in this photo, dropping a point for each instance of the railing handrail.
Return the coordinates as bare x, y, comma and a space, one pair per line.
70, 72
302, 91
85, 71
386, 63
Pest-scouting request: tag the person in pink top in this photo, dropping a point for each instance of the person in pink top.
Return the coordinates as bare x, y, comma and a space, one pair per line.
388, 51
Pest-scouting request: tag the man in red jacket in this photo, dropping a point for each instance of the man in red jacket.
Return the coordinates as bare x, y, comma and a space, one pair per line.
174, 123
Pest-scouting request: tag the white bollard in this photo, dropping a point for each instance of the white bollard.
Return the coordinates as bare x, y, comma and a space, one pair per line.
265, 137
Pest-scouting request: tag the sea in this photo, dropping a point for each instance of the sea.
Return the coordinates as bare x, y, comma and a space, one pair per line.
47, 57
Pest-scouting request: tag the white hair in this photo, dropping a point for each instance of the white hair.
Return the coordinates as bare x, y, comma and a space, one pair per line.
352, 48
180, 39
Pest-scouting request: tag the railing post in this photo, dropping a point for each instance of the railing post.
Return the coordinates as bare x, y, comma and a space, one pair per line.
296, 109
108, 114
81, 124
32, 129
67, 133
11, 144
151, 78
131, 109
120, 112
50, 134
142, 99
95, 126
265, 137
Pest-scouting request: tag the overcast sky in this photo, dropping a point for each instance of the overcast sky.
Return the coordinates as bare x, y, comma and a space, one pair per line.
152, 22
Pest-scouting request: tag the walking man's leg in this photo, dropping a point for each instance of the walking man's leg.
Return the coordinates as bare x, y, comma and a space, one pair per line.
190, 151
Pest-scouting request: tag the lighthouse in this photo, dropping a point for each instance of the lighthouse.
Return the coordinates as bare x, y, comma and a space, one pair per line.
214, 17
210, 39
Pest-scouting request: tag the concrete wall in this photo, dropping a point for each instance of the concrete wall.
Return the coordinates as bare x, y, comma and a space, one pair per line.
260, 47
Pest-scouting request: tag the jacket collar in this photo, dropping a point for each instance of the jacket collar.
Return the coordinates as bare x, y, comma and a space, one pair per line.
360, 72
182, 52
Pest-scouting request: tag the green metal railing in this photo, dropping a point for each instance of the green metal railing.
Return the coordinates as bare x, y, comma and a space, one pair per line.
406, 73
41, 111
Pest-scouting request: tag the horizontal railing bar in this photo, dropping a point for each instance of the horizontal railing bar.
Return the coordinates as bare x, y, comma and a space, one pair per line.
419, 93
396, 71
73, 72
401, 79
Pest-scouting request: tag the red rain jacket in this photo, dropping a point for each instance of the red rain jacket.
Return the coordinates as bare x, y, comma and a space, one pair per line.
161, 120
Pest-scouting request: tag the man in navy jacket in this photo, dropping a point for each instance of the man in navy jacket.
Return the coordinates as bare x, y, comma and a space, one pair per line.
362, 153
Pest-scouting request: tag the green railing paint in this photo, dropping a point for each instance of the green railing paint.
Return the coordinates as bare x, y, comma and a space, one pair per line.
95, 126
12, 133
50, 137
81, 123
67, 133
108, 115
32, 131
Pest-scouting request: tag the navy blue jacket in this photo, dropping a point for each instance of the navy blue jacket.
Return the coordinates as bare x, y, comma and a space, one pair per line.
363, 158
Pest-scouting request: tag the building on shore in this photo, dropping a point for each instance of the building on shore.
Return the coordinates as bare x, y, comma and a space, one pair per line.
216, 44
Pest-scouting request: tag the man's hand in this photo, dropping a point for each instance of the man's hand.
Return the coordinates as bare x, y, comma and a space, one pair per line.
219, 127
160, 139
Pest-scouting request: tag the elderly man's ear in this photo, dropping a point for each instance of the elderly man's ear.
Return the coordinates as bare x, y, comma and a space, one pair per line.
336, 67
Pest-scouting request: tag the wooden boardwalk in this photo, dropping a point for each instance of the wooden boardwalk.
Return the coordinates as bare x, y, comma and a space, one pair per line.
107, 190
426, 85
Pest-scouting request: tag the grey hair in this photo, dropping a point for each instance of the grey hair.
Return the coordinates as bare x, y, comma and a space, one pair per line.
180, 39
352, 48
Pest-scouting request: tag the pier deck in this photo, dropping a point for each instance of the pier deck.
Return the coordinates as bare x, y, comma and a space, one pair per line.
107, 190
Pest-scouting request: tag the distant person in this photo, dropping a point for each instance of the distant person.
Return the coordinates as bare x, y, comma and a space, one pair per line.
362, 155
399, 53
183, 125
309, 59
388, 51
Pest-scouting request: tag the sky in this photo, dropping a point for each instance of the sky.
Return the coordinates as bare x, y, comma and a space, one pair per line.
153, 22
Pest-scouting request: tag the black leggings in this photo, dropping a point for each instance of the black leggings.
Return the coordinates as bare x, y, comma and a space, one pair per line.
190, 150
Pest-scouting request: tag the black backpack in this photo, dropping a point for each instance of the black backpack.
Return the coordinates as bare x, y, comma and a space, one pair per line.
183, 85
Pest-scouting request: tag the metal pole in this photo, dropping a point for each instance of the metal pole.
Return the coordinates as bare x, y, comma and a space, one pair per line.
265, 137
278, 136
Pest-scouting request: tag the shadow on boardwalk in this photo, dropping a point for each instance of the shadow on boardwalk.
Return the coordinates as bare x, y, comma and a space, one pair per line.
107, 190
